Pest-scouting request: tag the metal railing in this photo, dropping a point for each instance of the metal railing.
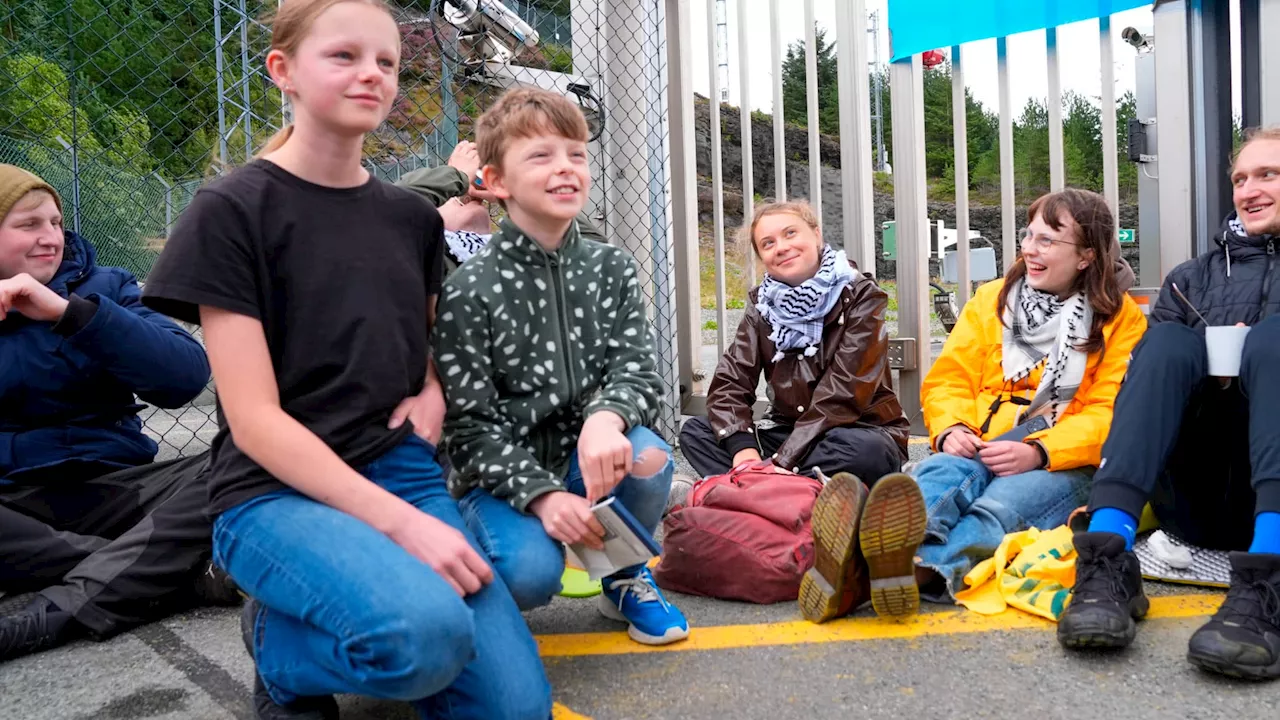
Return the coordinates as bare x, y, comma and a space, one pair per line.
1178, 213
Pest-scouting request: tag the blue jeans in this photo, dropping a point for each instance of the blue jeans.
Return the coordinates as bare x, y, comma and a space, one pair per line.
344, 609
530, 561
970, 510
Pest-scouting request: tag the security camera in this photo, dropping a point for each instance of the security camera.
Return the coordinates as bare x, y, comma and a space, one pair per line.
1136, 39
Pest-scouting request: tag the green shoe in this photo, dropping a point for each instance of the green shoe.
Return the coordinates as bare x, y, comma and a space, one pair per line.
576, 583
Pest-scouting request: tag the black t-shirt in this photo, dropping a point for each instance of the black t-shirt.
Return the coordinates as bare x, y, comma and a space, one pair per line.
339, 278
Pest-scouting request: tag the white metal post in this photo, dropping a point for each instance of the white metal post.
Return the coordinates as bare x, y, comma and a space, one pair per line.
1110, 159
1269, 61
684, 195
779, 123
910, 206
857, 199
717, 177
811, 94
1057, 173
1173, 128
1149, 243
960, 142
748, 167
1008, 240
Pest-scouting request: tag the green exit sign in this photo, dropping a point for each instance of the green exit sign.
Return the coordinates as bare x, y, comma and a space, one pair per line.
1128, 236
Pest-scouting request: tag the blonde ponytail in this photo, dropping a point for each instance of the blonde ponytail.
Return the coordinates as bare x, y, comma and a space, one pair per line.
276, 141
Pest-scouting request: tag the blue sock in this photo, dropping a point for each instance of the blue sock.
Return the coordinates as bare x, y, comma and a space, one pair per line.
1123, 524
1266, 533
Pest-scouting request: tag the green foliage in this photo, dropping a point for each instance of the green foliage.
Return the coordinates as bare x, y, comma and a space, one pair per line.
35, 103
710, 325
795, 106
1081, 130
559, 57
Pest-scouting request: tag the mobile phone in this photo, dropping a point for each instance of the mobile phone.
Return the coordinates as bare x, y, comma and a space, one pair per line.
479, 181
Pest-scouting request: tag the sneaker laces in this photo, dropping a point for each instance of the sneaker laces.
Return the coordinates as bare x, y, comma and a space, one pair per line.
1108, 574
641, 587
31, 628
1250, 604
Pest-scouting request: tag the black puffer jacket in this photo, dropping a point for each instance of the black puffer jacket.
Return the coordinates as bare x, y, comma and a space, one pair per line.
1234, 283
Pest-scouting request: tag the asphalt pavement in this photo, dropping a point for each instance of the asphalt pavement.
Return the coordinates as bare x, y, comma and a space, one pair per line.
742, 662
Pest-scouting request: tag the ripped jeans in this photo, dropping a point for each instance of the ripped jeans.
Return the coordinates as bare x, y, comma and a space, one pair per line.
529, 561
970, 510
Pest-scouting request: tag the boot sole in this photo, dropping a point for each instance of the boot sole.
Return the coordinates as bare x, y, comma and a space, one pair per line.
835, 519
1230, 669
892, 529
1100, 638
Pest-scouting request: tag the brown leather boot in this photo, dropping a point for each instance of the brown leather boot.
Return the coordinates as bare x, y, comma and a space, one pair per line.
837, 582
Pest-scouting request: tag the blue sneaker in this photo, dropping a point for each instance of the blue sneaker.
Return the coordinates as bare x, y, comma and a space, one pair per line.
638, 602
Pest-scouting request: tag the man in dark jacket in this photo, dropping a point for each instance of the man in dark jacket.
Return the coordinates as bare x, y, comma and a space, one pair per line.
1203, 451
109, 539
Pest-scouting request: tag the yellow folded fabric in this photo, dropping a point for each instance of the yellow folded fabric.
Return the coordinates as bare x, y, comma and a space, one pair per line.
1032, 571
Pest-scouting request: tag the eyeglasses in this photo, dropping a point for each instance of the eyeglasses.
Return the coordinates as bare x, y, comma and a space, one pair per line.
1043, 242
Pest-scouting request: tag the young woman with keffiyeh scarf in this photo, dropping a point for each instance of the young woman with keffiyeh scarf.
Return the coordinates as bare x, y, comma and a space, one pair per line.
815, 329
1017, 405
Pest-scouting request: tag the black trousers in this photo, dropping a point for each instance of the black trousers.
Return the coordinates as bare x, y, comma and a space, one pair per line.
868, 453
115, 551
1207, 458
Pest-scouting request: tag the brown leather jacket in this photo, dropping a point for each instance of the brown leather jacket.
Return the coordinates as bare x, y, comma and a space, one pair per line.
847, 384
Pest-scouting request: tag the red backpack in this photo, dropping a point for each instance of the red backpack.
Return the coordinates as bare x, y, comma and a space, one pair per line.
744, 535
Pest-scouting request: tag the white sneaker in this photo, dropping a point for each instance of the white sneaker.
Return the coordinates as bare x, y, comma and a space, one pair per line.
680, 487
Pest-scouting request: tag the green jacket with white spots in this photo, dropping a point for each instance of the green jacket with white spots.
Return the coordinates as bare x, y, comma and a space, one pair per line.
528, 344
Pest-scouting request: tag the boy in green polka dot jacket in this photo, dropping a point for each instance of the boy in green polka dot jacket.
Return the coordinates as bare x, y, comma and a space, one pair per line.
549, 372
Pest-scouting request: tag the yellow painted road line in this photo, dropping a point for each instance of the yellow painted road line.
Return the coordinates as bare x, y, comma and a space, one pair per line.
801, 632
919, 441
560, 712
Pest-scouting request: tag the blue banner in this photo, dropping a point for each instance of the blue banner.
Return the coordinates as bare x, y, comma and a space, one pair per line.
919, 25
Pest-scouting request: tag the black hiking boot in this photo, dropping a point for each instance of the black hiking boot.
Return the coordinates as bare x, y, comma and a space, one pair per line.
1242, 639
321, 707
1107, 597
39, 625
214, 587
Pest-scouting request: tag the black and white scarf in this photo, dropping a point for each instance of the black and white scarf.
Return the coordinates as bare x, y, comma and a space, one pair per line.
1040, 328
796, 312
463, 244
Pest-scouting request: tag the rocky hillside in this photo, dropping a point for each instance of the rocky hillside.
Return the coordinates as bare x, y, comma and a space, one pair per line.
983, 218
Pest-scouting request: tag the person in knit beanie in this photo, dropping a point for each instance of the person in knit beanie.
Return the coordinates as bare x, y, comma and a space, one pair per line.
108, 538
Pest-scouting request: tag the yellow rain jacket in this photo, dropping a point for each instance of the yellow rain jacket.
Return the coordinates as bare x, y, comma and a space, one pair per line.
967, 378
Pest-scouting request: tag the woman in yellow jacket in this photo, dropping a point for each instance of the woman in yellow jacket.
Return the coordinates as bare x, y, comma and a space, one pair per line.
1019, 403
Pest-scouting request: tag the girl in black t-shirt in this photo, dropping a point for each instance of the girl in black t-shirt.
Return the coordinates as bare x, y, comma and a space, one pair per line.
315, 284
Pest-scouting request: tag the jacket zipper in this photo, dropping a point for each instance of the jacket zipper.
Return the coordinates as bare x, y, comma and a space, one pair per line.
562, 319
1266, 280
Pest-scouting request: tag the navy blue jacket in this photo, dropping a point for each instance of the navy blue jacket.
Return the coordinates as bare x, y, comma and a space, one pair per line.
67, 389
1233, 283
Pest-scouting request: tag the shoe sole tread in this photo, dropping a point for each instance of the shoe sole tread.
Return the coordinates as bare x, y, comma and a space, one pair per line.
892, 530
835, 521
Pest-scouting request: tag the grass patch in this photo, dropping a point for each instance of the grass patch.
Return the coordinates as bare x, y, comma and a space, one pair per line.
736, 280
710, 325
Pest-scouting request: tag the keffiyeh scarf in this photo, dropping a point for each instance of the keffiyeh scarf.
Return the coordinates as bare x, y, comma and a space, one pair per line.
463, 244
1040, 328
796, 312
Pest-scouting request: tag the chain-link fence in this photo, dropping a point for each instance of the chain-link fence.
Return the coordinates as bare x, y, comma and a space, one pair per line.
128, 106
